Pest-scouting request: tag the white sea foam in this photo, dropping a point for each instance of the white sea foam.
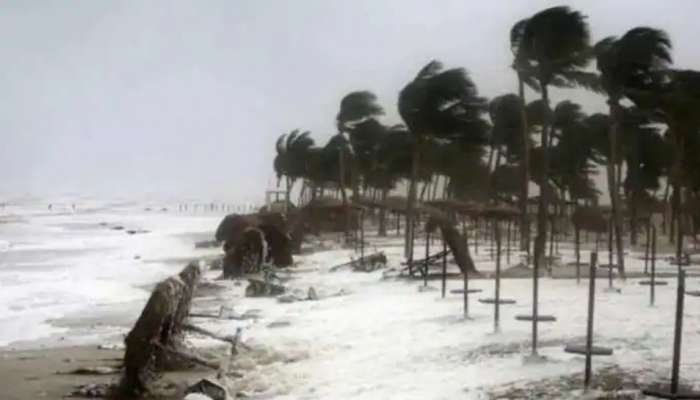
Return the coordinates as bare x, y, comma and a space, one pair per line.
57, 263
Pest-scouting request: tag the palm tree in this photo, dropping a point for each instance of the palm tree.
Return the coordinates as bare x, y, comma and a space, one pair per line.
553, 47
678, 101
647, 158
356, 107
290, 160
437, 103
524, 77
626, 63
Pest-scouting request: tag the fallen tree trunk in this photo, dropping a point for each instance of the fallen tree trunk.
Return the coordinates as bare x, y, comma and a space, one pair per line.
455, 241
361, 264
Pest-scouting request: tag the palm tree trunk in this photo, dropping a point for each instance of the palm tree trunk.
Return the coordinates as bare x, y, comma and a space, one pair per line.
542, 211
426, 185
341, 182
612, 186
667, 207
288, 194
435, 187
676, 196
302, 192
382, 214
411, 200
525, 173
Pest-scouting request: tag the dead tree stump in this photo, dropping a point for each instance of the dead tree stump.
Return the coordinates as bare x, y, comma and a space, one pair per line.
159, 327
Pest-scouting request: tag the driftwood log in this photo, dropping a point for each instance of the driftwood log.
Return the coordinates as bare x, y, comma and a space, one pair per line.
260, 288
158, 332
367, 263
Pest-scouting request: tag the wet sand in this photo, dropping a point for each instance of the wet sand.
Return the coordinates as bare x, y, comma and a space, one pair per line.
45, 373
41, 373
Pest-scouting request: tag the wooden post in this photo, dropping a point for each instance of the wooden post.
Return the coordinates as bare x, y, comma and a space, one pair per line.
491, 240
535, 296
444, 267
678, 332
465, 275
646, 247
398, 224
476, 236
589, 327
508, 242
652, 287
496, 313
610, 253
577, 244
427, 254
551, 244
362, 234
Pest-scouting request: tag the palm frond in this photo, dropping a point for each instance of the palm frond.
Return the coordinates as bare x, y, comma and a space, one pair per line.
280, 144
357, 106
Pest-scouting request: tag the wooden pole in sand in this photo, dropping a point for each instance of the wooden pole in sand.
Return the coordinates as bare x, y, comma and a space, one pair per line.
589, 326
427, 254
610, 253
497, 294
652, 288
646, 247
444, 266
577, 240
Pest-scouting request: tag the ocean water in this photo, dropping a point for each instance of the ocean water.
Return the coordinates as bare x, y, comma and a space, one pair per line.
68, 263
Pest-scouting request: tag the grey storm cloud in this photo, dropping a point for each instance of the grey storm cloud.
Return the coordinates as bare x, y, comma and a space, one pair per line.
188, 97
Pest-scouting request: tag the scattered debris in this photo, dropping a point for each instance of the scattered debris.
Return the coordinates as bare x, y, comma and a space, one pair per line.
312, 294
207, 244
99, 370
137, 231
279, 324
213, 390
368, 263
92, 391
259, 288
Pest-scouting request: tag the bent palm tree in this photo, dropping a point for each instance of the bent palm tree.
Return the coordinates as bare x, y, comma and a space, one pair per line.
356, 107
553, 47
627, 63
437, 103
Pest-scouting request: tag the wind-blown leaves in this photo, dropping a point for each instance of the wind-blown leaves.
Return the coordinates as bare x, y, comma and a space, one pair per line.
356, 107
442, 103
632, 61
553, 45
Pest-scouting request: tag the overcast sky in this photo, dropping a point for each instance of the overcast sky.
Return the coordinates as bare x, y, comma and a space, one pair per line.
187, 97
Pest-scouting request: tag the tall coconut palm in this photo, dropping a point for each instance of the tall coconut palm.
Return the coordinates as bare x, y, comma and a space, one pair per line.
678, 101
627, 63
553, 47
437, 103
356, 107
647, 157
525, 76
290, 160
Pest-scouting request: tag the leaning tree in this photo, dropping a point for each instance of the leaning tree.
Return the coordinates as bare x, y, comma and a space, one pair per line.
436, 103
553, 47
356, 108
291, 159
625, 63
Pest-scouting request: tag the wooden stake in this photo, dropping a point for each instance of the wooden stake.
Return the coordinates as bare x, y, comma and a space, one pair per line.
589, 327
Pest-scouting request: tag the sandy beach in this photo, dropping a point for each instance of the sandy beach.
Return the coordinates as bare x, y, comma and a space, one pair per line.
365, 335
